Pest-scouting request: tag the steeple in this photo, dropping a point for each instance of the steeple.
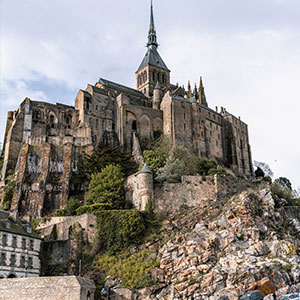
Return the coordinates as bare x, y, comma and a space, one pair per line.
152, 68
152, 38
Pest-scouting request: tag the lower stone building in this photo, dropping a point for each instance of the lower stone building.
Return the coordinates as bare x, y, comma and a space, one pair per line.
47, 288
19, 248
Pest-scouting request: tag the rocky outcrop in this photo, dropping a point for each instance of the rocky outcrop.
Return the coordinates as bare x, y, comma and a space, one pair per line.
222, 249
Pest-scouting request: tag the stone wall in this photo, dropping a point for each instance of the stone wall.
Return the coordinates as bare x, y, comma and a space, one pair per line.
195, 189
47, 288
63, 224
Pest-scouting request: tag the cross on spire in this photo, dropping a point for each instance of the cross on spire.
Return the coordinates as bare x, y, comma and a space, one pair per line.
152, 38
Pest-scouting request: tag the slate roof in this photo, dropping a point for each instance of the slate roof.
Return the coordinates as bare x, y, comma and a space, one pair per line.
153, 58
16, 227
145, 169
122, 88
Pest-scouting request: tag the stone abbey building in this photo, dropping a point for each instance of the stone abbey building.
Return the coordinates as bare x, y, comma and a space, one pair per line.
43, 141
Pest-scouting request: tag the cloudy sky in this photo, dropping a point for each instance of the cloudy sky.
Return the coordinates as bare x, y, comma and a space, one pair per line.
246, 50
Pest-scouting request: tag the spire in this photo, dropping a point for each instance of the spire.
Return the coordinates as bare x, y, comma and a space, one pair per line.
196, 95
152, 38
202, 97
190, 93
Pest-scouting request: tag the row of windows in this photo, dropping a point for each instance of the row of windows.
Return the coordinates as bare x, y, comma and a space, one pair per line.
14, 242
13, 261
154, 77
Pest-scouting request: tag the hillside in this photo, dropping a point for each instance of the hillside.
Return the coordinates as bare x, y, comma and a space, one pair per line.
220, 249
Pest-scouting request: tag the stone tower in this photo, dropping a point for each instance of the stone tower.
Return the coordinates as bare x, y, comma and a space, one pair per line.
145, 187
152, 69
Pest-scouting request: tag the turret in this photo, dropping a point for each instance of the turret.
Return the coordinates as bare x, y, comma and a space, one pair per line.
145, 191
157, 96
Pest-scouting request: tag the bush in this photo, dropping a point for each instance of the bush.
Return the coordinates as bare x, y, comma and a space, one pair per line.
93, 208
70, 210
218, 171
108, 187
171, 172
119, 229
154, 160
133, 270
282, 192
8, 193
204, 165
259, 173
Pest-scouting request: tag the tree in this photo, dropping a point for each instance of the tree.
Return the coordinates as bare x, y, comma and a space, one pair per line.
104, 156
171, 172
154, 160
204, 165
108, 187
265, 167
284, 182
259, 173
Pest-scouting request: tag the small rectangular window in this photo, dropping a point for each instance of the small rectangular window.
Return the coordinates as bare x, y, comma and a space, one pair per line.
23, 243
31, 245
184, 116
14, 242
3, 259
184, 127
22, 262
4, 239
29, 262
12, 260
182, 104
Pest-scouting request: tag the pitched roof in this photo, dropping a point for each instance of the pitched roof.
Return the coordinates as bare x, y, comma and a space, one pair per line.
8, 224
121, 88
153, 58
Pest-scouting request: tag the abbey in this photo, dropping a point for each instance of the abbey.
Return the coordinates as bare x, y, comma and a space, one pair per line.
43, 141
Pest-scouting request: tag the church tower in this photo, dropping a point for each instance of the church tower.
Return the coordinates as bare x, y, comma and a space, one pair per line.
152, 70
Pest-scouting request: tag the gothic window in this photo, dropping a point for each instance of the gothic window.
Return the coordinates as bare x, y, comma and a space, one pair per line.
134, 127
163, 78
153, 76
87, 102
51, 119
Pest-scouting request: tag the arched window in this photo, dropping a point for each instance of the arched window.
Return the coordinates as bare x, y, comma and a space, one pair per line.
88, 297
134, 127
51, 119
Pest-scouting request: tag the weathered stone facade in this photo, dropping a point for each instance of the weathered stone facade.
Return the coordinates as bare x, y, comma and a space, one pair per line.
43, 141
19, 248
47, 288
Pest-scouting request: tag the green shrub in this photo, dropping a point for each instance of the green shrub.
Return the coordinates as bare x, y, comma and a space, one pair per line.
93, 208
133, 270
107, 187
8, 193
204, 165
71, 206
171, 172
218, 171
154, 160
119, 229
